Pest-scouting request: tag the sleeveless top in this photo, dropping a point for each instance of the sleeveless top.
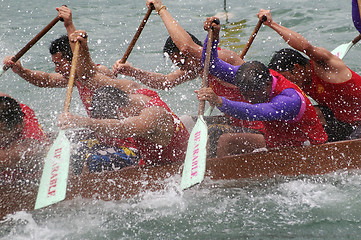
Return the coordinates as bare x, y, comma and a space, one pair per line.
305, 129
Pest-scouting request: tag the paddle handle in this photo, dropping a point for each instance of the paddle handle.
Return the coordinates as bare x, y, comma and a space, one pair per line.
356, 39
136, 36
202, 103
33, 41
253, 36
71, 78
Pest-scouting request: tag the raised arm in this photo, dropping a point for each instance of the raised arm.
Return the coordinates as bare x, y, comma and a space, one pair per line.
65, 13
327, 65
296, 40
179, 36
219, 68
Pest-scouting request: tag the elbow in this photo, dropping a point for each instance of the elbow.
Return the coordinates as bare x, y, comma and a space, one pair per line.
184, 48
307, 48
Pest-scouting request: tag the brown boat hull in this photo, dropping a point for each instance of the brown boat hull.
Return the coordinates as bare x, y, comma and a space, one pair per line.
131, 181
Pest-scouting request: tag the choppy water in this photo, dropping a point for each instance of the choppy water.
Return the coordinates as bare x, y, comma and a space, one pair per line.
319, 207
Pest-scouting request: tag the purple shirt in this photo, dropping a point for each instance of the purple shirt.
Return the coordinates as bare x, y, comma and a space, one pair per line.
356, 15
285, 106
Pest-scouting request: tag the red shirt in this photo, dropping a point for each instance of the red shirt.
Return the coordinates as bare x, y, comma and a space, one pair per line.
344, 99
154, 153
306, 127
32, 127
85, 96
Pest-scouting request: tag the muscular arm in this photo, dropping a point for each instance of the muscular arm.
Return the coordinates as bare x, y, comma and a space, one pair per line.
37, 78
44, 79
155, 80
284, 106
65, 13
153, 123
327, 66
296, 40
27, 150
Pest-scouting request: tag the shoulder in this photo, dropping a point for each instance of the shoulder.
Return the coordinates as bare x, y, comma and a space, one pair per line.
230, 57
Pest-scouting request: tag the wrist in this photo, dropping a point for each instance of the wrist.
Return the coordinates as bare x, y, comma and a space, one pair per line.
163, 7
219, 102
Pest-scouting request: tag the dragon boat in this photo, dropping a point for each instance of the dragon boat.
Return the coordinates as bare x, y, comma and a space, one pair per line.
18, 192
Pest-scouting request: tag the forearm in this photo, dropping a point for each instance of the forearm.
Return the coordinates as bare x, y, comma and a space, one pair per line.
180, 37
86, 68
285, 106
70, 28
292, 38
113, 128
151, 79
37, 78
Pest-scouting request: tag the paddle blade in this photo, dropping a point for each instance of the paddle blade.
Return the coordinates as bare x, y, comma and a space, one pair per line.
195, 162
53, 181
209, 111
2, 71
342, 50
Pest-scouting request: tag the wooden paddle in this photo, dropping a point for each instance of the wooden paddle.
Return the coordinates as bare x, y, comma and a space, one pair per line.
195, 162
137, 34
54, 179
253, 36
31, 43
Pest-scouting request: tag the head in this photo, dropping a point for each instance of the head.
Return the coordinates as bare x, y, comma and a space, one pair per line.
254, 81
107, 103
171, 50
62, 55
289, 63
11, 120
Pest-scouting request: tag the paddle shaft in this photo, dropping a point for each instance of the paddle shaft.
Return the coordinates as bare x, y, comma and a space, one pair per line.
71, 78
356, 39
253, 36
202, 103
136, 36
33, 41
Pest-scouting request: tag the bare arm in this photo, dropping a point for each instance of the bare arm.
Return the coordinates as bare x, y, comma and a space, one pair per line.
65, 13
154, 124
327, 65
27, 150
152, 79
37, 78
179, 36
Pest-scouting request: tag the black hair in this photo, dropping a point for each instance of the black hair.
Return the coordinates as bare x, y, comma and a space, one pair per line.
10, 112
252, 76
62, 45
170, 47
106, 101
285, 59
